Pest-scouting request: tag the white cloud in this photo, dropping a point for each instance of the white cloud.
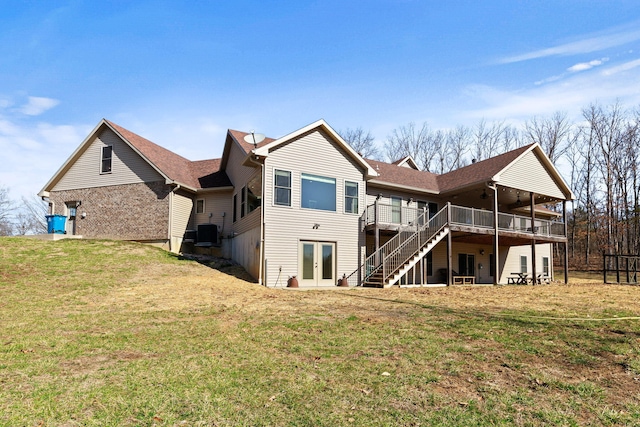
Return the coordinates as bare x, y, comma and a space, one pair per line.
38, 105
33, 152
590, 43
583, 66
571, 94
621, 68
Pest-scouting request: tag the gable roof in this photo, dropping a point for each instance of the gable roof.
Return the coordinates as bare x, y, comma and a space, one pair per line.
264, 149
171, 166
403, 177
400, 176
407, 162
478, 172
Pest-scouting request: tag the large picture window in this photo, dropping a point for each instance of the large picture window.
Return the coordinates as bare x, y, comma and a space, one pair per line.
282, 188
318, 192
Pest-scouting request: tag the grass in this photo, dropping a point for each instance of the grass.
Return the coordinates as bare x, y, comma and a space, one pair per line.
112, 333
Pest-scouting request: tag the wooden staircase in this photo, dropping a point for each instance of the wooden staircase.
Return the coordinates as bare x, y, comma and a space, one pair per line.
392, 261
377, 277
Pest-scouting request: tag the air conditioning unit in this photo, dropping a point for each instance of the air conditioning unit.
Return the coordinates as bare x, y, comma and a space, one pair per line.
207, 235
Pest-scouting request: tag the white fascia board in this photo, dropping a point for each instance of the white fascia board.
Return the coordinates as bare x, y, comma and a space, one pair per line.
549, 166
264, 151
72, 158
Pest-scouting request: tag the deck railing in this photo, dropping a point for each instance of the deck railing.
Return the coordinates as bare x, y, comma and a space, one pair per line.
382, 213
406, 216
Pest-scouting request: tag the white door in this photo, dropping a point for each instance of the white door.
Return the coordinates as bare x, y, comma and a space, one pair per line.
317, 263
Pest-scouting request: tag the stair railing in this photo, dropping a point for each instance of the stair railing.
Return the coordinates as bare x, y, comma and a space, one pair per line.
389, 254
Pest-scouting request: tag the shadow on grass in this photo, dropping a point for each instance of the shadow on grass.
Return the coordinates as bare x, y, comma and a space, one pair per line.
223, 265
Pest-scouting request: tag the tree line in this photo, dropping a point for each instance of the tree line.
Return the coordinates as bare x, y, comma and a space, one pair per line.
21, 217
598, 154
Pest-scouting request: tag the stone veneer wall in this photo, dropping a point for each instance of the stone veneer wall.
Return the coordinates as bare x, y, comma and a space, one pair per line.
127, 212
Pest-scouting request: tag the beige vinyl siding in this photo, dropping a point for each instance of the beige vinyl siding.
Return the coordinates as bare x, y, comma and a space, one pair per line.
246, 251
239, 176
312, 153
511, 258
215, 204
127, 166
181, 208
529, 174
372, 193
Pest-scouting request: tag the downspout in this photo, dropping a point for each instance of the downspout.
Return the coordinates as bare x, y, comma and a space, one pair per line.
176, 188
262, 270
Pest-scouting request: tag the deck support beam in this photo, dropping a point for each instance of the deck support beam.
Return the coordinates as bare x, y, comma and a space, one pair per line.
566, 243
449, 249
496, 258
533, 241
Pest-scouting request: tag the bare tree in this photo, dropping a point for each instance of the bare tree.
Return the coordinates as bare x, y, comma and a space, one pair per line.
486, 139
7, 208
551, 133
30, 217
458, 143
407, 141
363, 143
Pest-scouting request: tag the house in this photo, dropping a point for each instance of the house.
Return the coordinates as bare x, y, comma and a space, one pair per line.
307, 205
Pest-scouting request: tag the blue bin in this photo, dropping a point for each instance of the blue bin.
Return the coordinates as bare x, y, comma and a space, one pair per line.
56, 224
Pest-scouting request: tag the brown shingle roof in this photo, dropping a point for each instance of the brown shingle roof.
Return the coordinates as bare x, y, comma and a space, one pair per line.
394, 174
478, 172
469, 175
199, 174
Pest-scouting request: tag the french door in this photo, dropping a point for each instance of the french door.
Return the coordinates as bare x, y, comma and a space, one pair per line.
317, 263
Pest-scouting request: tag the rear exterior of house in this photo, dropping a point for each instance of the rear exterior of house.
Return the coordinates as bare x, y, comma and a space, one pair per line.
306, 205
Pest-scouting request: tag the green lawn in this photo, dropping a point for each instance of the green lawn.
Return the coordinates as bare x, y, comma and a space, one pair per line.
119, 334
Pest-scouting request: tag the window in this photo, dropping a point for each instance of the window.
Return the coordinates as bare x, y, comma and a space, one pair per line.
396, 209
243, 201
254, 193
235, 207
545, 265
466, 264
523, 264
107, 153
351, 197
282, 188
200, 206
318, 192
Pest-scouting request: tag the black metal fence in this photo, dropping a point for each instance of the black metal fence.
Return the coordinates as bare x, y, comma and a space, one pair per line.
621, 268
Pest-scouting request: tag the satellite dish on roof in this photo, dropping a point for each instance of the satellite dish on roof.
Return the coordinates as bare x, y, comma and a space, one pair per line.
254, 138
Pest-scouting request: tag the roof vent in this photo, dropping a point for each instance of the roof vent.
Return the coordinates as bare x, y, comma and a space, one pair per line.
473, 160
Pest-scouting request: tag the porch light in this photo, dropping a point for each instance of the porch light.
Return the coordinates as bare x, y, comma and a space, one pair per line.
484, 195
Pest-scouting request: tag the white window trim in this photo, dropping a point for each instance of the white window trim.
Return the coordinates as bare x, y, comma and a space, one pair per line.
335, 183
290, 187
203, 206
357, 197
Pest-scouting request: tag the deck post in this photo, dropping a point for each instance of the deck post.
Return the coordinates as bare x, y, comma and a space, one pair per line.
496, 262
566, 243
376, 231
533, 242
449, 249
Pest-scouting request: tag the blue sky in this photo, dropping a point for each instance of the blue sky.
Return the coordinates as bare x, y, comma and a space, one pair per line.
181, 73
